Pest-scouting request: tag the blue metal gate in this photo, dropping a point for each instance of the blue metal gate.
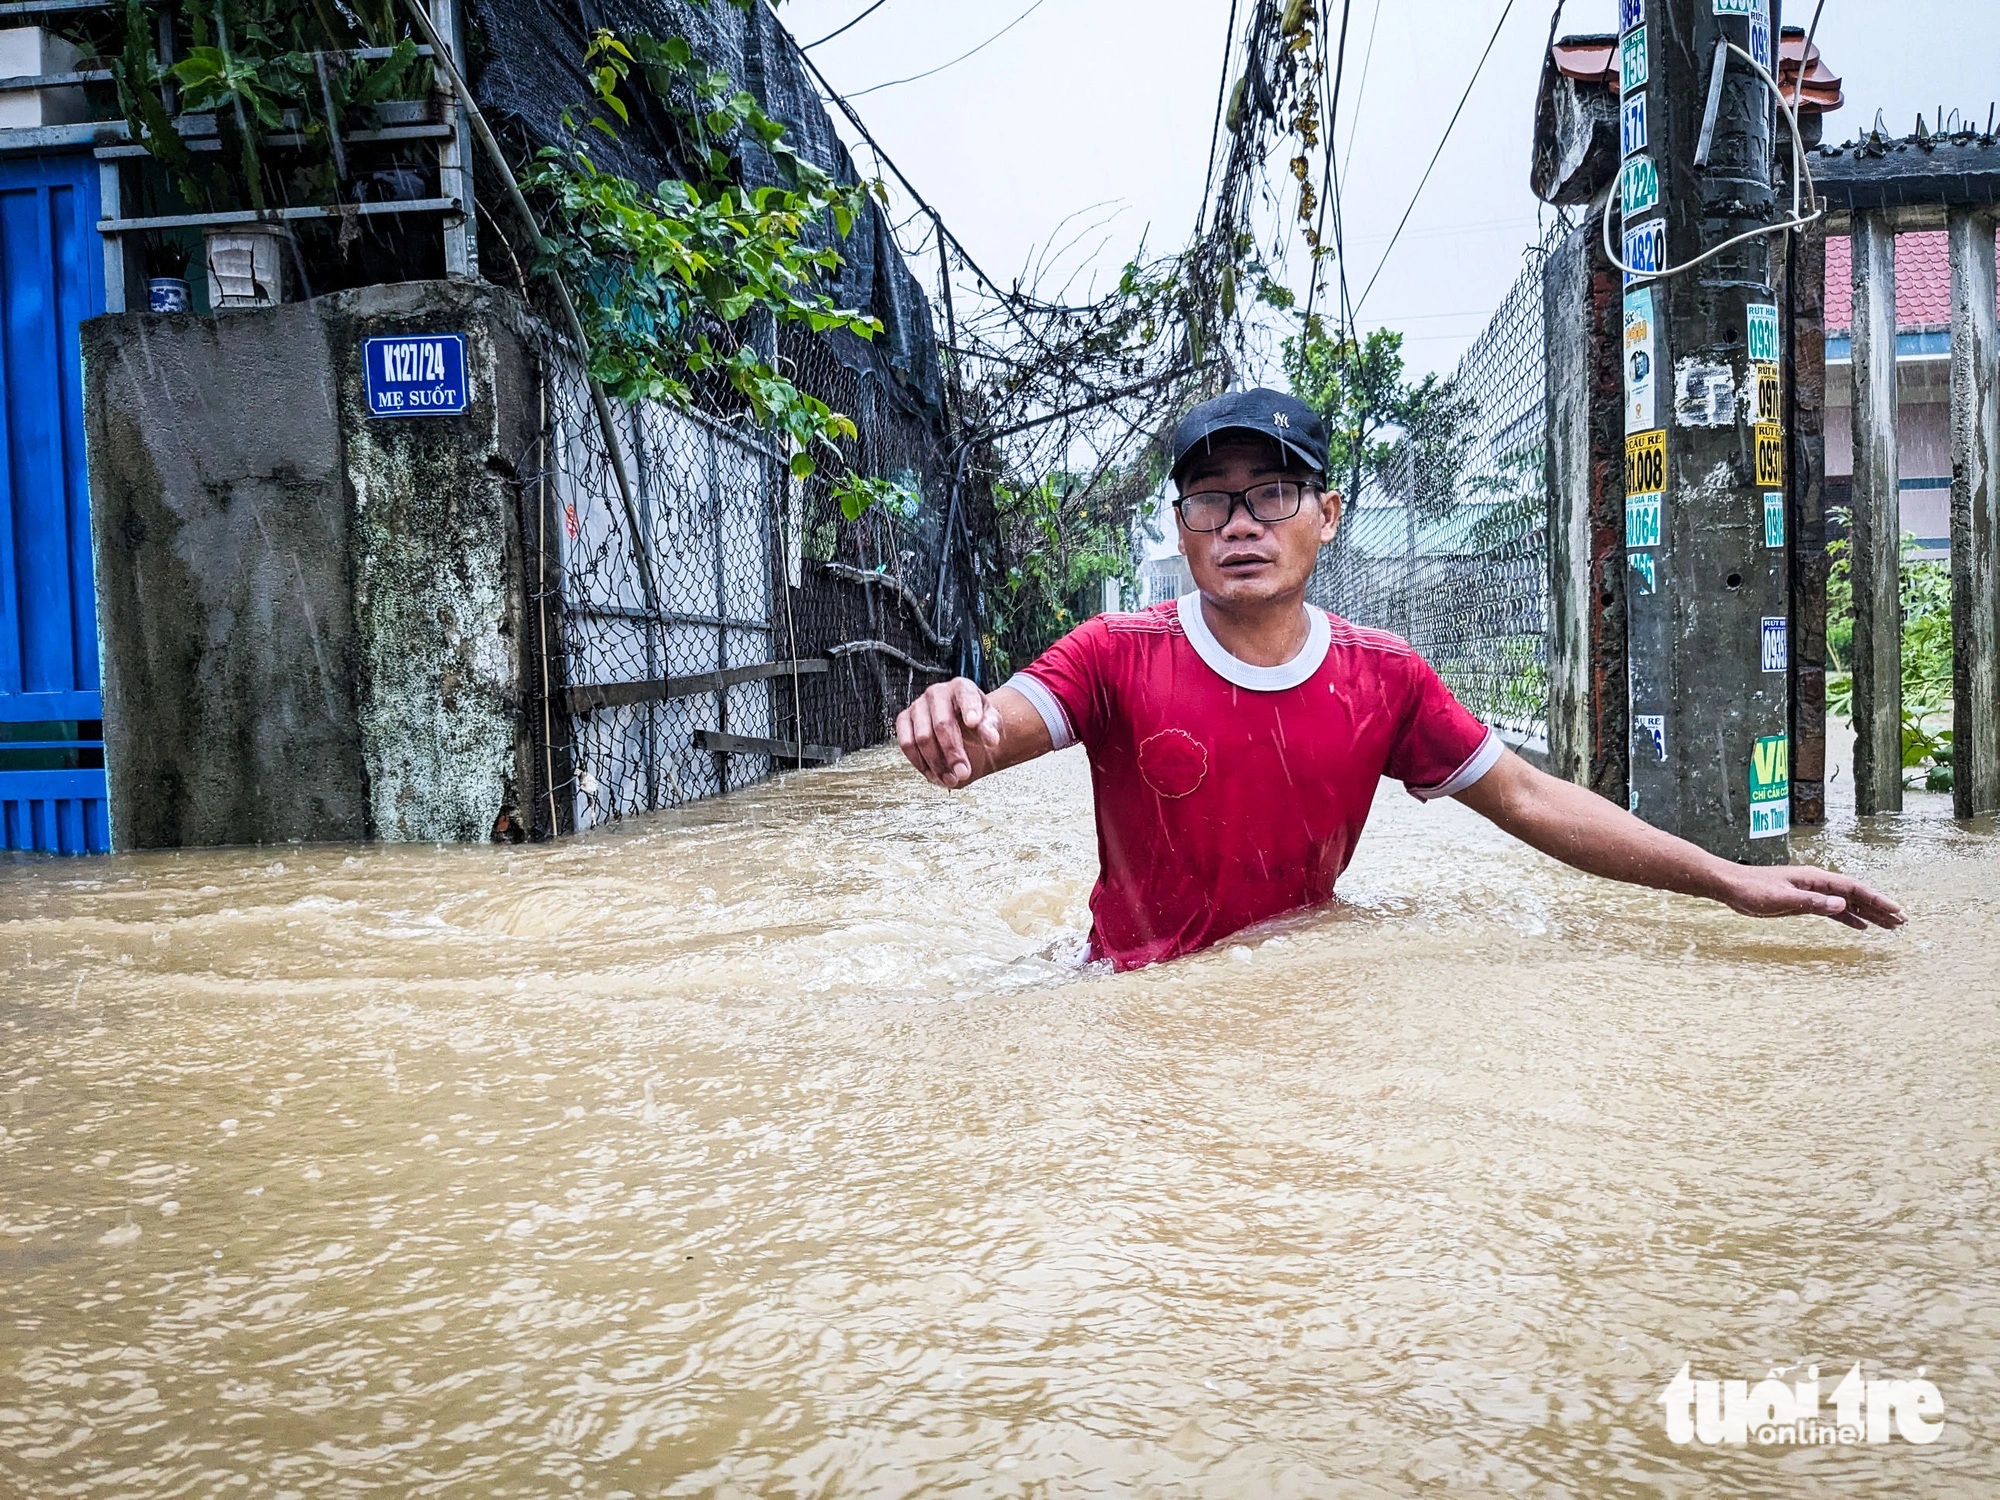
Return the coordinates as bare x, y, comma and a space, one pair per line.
52, 793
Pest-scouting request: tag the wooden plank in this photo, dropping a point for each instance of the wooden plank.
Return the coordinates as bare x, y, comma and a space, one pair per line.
39, 708
28, 142
593, 696
1975, 516
1876, 527
352, 138
461, 234
47, 786
717, 743
110, 204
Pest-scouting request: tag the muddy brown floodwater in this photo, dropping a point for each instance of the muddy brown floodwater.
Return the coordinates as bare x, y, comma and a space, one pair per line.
777, 1147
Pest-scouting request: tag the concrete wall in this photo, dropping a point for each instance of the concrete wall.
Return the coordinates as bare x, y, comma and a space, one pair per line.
310, 617
1584, 329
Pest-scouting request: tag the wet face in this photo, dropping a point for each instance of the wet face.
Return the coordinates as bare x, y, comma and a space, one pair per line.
1250, 561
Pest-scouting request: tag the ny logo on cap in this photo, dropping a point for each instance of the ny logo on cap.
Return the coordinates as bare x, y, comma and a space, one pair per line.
1281, 419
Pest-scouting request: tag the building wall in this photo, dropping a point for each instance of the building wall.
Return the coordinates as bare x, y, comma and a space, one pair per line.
1923, 445
1162, 579
310, 617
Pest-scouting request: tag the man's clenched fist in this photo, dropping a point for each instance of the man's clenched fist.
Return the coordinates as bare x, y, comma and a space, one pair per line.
949, 731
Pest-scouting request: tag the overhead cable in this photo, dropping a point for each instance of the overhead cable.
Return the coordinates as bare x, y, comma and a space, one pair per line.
1801, 180
1005, 298
915, 77
1215, 130
1361, 92
1330, 188
847, 28
1470, 83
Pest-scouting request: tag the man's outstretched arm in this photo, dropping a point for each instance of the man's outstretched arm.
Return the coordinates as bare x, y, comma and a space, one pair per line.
1581, 829
954, 734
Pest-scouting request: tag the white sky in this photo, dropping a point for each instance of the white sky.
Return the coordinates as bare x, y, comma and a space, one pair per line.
1092, 102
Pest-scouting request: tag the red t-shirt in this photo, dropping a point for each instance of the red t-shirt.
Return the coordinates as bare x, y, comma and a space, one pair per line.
1228, 793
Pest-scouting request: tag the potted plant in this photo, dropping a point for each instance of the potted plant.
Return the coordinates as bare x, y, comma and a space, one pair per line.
167, 289
243, 71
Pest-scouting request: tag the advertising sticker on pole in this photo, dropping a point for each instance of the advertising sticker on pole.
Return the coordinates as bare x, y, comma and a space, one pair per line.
1639, 362
1776, 656
1633, 64
1646, 250
1762, 320
1632, 125
1638, 187
1770, 788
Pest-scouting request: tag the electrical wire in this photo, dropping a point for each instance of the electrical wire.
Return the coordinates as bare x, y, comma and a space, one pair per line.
1336, 173
1361, 92
1435, 155
847, 28
1800, 170
915, 77
1805, 57
1215, 130
1330, 181
834, 96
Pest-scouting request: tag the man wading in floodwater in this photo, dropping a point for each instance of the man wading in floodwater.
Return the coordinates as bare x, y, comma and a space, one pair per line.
1236, 735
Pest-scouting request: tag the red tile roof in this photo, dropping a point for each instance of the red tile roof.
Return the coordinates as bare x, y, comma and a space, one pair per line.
1923, 283
1594, 59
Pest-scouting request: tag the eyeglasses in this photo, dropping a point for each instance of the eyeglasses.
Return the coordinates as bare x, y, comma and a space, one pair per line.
1210, 510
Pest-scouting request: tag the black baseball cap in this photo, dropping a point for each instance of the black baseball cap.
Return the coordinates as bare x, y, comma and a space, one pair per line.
1286, 420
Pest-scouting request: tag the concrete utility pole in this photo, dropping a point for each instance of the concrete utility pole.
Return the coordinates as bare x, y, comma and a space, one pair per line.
1705, 450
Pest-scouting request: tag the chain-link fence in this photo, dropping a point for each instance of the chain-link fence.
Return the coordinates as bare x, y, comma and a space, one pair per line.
1447, 542
728, 620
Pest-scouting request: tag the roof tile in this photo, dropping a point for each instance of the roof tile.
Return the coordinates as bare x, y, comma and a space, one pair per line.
1923, 283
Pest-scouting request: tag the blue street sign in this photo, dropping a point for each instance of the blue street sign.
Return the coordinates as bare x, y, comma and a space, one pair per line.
416, 375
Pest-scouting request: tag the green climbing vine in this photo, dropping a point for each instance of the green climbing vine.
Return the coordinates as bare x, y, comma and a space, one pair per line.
664, 277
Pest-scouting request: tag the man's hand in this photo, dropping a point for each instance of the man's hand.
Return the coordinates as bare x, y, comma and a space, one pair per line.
1802, 890
945, 728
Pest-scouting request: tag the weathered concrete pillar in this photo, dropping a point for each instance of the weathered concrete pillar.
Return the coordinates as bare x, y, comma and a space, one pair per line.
1975, 516
1584, 332
311, 615
1800, 526
1876, 524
